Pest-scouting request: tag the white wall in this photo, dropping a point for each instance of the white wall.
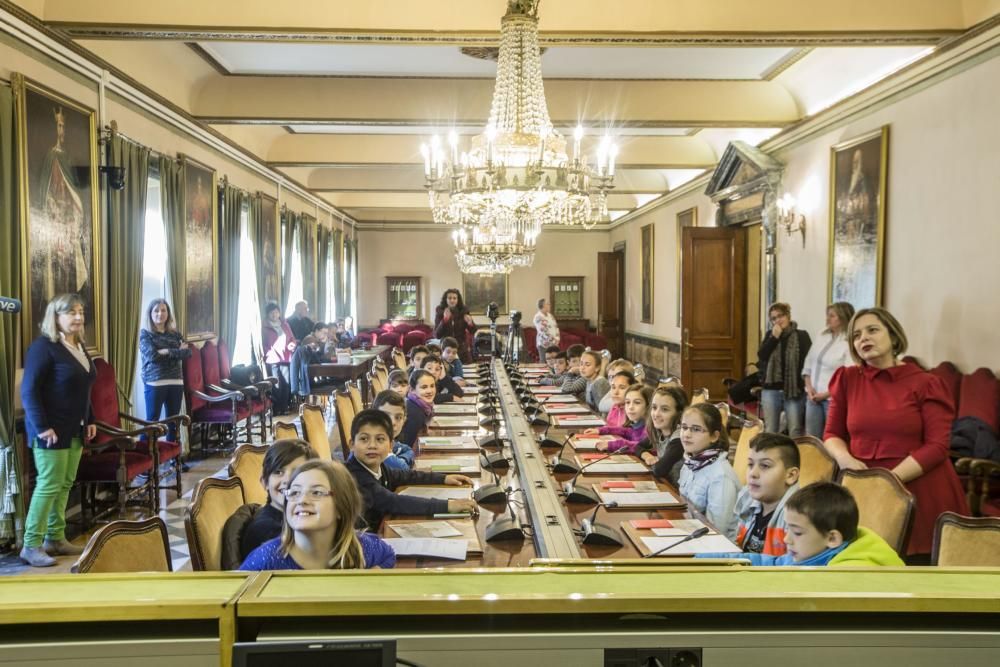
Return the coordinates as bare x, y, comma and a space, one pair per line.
430, 255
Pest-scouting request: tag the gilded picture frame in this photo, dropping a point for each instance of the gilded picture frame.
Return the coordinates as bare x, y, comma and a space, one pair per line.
201, 230
479, 290
686, 218
858, 183
647, 239
60, 246
269, 254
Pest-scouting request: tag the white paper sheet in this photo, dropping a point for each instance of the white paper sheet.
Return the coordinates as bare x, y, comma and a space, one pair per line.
681, 527
452, 464
454, 422
569, 421
454, 442
441, 493
567, 409
702, 545
455, 409
559, 398
429, 547
547, 390
616, 469
588, 442
422, 529
638, 499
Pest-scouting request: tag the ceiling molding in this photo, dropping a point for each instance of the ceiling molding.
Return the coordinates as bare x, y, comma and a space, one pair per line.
417, 165
622, 124
688, 188
372, 226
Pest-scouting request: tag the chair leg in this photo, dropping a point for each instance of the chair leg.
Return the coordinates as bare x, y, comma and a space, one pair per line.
177, 476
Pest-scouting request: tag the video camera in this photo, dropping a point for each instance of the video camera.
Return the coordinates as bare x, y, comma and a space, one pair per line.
515, 317
493, 311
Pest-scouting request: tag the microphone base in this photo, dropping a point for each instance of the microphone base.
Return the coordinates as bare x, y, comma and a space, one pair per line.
540, 420
490, 494
581, 495
564, 465
492, 460
492, 442
549, 443
489, 422
503, 528
599, 535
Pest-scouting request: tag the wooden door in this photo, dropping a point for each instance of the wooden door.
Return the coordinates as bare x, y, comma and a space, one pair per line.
713, 307
611, 299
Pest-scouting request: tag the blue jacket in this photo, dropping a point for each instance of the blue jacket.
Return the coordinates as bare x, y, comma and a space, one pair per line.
55, 393
822, 558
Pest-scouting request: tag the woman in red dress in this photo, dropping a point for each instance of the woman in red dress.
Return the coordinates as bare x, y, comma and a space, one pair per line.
888, 414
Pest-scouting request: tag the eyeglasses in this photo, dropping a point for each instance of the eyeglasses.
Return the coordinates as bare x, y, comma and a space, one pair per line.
694, 428
296, 494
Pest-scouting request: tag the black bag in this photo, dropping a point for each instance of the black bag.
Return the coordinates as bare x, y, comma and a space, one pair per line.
245, 375
740, 391
971, 436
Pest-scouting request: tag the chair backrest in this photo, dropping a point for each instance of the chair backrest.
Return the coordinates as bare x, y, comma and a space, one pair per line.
884, 504
724, 411
210, 370
980, 397
377, 383
389, 338
313, 418
402, 328
344, 410
966, 541
127, 546
426, 328
232, 533
285, 431
952, 378
699, 396
668, 381
399, 359
214, 501
225, 361
356, 399
193, 381
412, 339
816, 463
104, 397
382, 371
248, 465
751, 428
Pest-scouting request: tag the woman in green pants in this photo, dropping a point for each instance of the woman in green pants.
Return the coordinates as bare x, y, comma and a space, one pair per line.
58, 375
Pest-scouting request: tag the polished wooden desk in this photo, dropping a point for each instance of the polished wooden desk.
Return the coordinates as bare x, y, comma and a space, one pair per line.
361, 363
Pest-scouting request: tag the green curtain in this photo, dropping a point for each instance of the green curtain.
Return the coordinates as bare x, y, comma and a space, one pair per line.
338, 273
307, 255
350, 275
126, 234
11, 500
232, 199
289, 227
255, 228
172, 204
322, 273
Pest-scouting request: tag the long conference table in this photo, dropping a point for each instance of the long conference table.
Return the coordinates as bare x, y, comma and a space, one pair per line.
356, 370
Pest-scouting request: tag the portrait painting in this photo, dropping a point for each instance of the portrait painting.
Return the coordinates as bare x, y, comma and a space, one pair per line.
858, 171
60, 225
478, 290
269, 255
686, 218
200, 205
646, 249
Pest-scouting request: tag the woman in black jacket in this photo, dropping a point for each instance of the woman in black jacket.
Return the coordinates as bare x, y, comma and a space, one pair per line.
55, 392
780, 358
163, 350
452, 320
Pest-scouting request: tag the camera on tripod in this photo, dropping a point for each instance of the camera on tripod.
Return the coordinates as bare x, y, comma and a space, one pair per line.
515, 317
493, 311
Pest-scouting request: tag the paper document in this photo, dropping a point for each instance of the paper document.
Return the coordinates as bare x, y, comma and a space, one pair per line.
608, 468
429, 547
419, 529
439, 492
638, 499
466, 464
703, 545
547, 390
572, 421
588, 442
680, 527
455, 409
559, 398
447, 442
455, 422
564, 409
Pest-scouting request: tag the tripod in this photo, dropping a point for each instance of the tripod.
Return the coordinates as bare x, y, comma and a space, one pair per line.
515, 343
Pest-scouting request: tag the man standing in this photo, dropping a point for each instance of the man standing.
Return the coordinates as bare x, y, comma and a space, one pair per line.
546, 326
300, 323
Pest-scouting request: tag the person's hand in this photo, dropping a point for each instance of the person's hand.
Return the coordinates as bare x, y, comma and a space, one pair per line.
468, 320
776, 330
848, 462
591, 431
292, 345
163, 352
460, 382
447, 314
457, 505
183, 346
649, 458
821, 396
601, 446
457, 480
91, 432
49, 436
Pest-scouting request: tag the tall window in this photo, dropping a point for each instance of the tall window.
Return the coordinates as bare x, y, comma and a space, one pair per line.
248, 314
154, 270
295, 284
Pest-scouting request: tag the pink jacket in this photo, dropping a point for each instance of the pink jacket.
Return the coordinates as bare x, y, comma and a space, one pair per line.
278, 349
629, 437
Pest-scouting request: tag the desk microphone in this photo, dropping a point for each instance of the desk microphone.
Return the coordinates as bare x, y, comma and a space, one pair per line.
701, 532
558, 463
582, 494
545, 441
598, 533
504, 526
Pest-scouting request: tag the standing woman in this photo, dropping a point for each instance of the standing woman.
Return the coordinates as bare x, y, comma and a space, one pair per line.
279, 346
58, 375
547, 328
163, 350
451, 319
885, 413
830, 352
780, 359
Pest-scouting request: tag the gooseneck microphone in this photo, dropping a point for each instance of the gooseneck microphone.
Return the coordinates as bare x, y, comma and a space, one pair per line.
504, 526
598, 533
701, 532
560, 464
582, 494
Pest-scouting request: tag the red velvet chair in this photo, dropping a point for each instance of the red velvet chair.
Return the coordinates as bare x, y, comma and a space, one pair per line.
595, 341
210, 406
530, 336
413, 339
117, 456
980, 398
403, 328
952, 378
568, 338
389, 338
258, 393
426, 328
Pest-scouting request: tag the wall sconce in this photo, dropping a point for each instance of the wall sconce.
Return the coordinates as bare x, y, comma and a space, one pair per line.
788, 219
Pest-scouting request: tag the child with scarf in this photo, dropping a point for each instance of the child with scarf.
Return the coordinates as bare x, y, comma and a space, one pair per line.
633, 431
419, 405
707, 480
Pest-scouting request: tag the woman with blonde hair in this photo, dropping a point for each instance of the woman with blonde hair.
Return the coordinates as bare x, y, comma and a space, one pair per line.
322, 508
163, 350
830, 351
55, 392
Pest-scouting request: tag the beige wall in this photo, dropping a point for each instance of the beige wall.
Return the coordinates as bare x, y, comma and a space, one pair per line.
430, 255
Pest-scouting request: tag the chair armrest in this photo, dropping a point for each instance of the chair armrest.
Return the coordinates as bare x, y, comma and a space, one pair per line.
984, 467
152, 429
216, 398
182, 420
222, 390
250, 391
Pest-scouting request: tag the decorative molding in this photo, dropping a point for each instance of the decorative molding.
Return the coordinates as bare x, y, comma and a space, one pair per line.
478, 124
772, 72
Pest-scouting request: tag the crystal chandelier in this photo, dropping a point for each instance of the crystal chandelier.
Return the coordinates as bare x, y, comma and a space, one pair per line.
484, 249
517, 176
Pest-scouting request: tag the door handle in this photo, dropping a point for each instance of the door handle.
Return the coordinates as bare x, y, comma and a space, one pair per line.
685, 345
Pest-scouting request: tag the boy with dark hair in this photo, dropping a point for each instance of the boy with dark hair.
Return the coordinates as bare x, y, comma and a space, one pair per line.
447, 388
772, 478
393, 404
560, 370
452, 360
823, 529
550, 353
399, 382
574, 382
417, 355
371, 441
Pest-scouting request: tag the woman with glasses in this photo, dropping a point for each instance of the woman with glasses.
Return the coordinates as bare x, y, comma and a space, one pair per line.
322, 507
780, 359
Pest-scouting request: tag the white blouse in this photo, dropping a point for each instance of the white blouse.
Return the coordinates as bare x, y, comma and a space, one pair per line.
827, 354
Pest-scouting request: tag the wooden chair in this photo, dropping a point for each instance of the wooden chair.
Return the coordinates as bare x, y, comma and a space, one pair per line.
375, 380
382, 372
817, 464
344, 409
247, 464
669, 381
985, 475
214, 501
356, 398
127, 546
313, 419
699, 396
962, 541
724, 411
399, 359
884, 504
751, 428
285, 431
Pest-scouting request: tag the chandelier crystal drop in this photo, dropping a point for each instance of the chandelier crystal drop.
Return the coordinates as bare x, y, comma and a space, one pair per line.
483, 249
517, 176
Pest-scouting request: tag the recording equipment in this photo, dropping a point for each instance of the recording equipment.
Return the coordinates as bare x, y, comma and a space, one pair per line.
582, 495
116, 176
515, 317
504, 526
9, 304
492, 311
494, 441
545, 441
490, 494
598, 533
701, 532
539, 418
490, 420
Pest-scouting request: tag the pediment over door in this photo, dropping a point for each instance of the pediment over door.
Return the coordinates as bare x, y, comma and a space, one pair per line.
741, 179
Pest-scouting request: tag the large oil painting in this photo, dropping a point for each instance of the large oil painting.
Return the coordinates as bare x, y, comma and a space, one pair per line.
646, 254
479, 290
270, 258
858, 171
200, 225
60, 225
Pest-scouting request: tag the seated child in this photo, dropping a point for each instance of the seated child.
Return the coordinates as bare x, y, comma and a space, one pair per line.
447, 389
343, 337
322, 506
435, 349
823, 529
453, 363
282, 458
417, 355
574, 383
615, 417
772, 478
394, 405
662, 448
419, 406
398, 383
707, 480
595, 386
550, 353
371, 441
633, 431
612, 369
560, 370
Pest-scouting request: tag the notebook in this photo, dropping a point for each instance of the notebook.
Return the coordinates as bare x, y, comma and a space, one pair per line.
577, 421
446, 421
467, 465
455, 409
610, 464
447, 442
566, 409
635, 494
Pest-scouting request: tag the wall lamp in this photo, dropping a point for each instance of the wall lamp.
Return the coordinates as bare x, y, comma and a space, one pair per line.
789, 219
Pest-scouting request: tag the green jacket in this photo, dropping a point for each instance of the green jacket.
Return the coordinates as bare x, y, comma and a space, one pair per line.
866, 549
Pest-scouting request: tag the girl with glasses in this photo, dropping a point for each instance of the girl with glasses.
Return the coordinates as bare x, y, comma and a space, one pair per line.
707, 480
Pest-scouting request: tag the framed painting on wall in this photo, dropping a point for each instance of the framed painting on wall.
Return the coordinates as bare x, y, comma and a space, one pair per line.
60, 224
858, 170
200, 236
479, 290
270, 257
646, 270
686, 218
